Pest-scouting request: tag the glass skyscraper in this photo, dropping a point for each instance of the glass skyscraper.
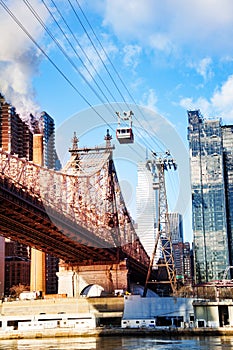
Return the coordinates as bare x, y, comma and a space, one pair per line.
145, 200
227, 134
211, 166
147, 211
176, 227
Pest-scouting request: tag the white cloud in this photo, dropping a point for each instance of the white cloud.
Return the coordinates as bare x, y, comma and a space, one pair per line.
129, 19
131, 57
19, 57
161, 42
149, 100
94, 61
203, 67
201, 103
219, 105
164, 24
222, 99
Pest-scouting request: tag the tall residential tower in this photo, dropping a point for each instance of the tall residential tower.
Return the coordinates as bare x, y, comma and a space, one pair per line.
210, 146
146, 210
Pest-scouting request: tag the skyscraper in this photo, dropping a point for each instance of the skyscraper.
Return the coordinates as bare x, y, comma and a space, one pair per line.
211, 180
48, 131
146, 210
227, 133
145, 201
16, 137
47, 126
176, 227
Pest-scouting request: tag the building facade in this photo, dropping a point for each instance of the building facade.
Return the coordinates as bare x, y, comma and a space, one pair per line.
146, 210
181, 250
50, 161
17, 265
176, 227
182, 262
48, 130
188, 271
227, 134
15, 135
2, 265
210, 182
155, 312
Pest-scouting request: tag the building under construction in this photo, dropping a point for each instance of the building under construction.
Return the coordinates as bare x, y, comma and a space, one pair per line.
211, 163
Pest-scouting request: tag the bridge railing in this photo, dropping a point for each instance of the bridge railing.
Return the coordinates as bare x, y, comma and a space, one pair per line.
79, 199
83, 199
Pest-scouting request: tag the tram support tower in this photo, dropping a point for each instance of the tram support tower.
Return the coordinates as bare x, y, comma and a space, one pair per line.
162, 227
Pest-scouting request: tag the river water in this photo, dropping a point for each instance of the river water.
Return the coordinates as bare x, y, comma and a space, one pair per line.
120, 343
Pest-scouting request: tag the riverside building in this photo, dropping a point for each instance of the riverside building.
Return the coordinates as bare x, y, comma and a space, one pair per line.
17, 137
211, 165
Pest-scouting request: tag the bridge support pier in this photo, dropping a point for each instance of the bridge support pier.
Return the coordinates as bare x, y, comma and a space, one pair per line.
72, 280
37, 278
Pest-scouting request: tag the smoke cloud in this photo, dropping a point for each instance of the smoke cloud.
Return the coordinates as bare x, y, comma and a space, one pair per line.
19, 57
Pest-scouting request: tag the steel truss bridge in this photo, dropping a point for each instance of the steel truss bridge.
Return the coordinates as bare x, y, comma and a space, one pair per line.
77, 214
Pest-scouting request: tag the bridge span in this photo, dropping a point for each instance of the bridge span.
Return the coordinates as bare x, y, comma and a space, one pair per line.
77, 214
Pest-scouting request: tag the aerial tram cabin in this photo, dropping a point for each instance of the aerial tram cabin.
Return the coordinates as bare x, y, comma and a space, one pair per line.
124, 134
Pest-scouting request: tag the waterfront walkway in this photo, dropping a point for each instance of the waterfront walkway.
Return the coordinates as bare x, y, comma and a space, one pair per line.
104, 332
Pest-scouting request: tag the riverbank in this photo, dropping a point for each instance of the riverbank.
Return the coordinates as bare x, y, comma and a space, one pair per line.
116, 332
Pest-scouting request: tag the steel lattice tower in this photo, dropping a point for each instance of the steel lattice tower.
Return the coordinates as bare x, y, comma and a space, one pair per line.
157, 167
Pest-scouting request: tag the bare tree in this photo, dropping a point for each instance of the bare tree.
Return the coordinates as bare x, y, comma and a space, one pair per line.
17, 289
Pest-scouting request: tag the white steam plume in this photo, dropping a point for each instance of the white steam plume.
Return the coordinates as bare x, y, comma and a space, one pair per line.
19, 57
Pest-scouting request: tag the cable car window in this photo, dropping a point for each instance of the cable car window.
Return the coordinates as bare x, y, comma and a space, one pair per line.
125, 134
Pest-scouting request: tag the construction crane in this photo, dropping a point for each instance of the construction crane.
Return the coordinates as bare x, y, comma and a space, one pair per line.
157, 166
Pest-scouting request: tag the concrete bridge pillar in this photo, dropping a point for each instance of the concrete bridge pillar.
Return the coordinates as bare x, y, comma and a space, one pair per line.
73, 280
66, 283
37, 278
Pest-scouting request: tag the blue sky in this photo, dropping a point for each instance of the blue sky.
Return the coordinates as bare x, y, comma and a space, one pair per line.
172, 55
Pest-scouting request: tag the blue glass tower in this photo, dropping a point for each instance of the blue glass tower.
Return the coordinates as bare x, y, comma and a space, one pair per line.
211, 232
50, 161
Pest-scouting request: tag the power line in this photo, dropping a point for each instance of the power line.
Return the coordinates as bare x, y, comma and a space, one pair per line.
59, 70
97, 52
62, 50
74, 65
16, 20
118, 75
77, 54
67, 56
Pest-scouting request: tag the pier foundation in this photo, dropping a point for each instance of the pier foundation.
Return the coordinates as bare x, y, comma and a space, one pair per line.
74, 280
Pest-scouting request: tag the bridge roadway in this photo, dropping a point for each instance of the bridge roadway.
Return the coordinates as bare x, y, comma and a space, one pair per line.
26, 219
